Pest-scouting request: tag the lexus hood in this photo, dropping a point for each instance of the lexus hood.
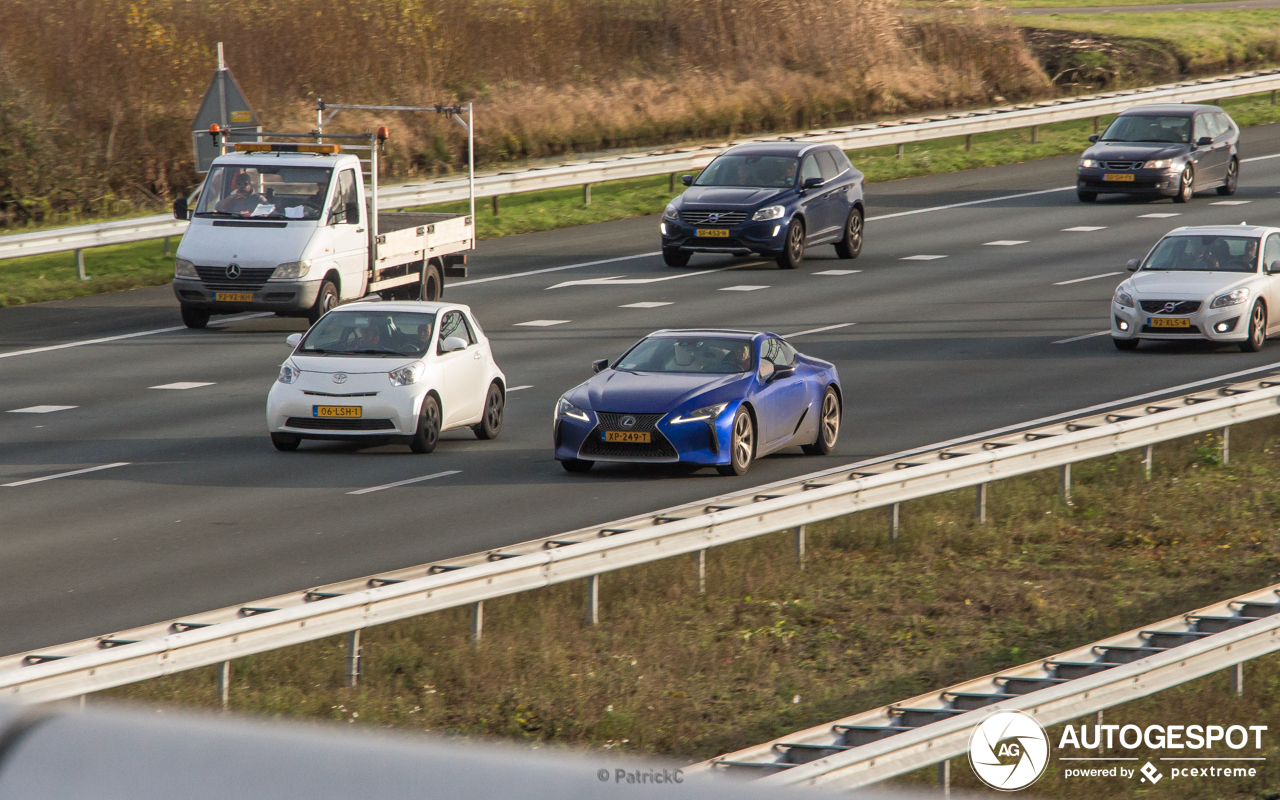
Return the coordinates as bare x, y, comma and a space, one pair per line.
649, 392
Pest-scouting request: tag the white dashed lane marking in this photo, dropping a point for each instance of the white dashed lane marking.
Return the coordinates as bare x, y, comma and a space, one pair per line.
838, 272
541, 323
921, 258
518, 388
180, 385
1231, 202
1085, 229
1005, 243
1159, 216
1078, 338
646, 304
1090, 278
746, 287
819, 330
623, 280
406, 482
41, 409
68, 474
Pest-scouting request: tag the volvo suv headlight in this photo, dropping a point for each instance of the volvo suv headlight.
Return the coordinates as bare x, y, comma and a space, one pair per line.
566, 409
1088, 163
707, 414
671, 212
1124, 298
183, 268
291, 270
1163, 163
1231, 298
767, 213
406, 375
289, 372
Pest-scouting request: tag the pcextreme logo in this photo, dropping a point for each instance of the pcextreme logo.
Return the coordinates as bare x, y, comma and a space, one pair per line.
1009, 751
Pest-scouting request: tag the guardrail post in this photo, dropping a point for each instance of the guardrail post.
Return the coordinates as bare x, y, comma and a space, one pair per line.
224, 684
1236, 674
800, 546
893, 522
901, 148
1095, 124
981, 504
353, 659
968, 142
83, 701
586, 194
167, 252
593, 600
1147, 453
1035, 133
944, 777
477, 621
671, 176
1226, 446
1273, 97
702, 572
1066, 483
495, 205
80, 265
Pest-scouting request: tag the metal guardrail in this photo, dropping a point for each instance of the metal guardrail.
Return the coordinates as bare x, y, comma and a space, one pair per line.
217, 637
893, 740
666, 162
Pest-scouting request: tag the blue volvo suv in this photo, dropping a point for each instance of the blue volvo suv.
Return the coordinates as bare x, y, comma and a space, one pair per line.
772, 199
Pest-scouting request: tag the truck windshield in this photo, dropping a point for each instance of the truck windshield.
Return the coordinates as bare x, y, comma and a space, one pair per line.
264, 191
762, 172
1204, 254
374, 333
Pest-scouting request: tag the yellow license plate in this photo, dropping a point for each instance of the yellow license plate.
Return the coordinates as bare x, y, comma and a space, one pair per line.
1170, 322
336, 411
1117, 176
714, 233
627, 437
233, 297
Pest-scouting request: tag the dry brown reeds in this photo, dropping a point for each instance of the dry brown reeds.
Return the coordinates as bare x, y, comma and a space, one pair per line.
96, 96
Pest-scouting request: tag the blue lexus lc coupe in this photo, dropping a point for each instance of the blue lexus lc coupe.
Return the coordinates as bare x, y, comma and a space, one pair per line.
717, 398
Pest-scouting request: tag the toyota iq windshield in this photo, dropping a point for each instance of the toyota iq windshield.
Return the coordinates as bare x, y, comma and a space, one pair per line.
693, 354
1204, 254
370, 333
264, 191
1143, 128
760, 172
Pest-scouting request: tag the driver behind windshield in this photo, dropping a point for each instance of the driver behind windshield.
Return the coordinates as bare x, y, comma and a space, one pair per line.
242, 199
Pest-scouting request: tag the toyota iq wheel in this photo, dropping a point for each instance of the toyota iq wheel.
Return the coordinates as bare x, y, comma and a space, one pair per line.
491, 423
742, 445
1257, 329
828, 426
285, 442
428, 434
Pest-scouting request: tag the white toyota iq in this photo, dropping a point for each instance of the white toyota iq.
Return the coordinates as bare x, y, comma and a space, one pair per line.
1217, 283
390, 371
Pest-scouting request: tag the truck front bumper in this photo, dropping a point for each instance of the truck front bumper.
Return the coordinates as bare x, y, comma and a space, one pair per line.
282, 297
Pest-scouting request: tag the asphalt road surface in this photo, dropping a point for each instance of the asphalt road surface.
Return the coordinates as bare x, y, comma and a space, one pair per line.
993, 329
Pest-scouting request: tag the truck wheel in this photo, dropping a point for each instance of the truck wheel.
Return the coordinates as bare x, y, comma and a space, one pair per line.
432, 282
195, 317
325, 300
491, 424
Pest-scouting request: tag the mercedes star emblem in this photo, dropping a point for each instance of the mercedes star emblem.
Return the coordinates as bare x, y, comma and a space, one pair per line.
233, 271
339, 377
627, 422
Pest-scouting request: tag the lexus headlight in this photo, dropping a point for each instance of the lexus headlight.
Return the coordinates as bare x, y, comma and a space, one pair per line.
671, 212
767, 213
566, 409
1124, 298
183, 268
406, 375
1231, 298
707, 414
289, 372
1088, 163
291, 270
1163, 163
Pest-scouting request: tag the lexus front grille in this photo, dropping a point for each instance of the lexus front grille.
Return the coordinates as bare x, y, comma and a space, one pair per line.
658, 448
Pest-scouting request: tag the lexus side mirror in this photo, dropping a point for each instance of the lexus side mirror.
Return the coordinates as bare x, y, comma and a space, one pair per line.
1132, 264
812, 183
1204, 141
352, 212
453, 344
180, 209
766, 370
293, 339
1093, 138
782, 372
600, 366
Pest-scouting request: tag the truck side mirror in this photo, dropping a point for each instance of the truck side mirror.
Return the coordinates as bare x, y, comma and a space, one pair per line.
180, 209
687, 180
1093, 138
1132, 265
600, 366
352, 211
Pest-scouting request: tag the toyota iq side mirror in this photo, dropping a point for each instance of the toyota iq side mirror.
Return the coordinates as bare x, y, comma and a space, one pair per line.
600, 366
1093, 138
687, 180
812, 183
1132, 264
293, 339
180, 209
453, 344
1204, 141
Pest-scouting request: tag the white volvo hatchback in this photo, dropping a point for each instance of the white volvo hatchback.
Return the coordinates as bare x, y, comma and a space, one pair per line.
1216, 282
390, 371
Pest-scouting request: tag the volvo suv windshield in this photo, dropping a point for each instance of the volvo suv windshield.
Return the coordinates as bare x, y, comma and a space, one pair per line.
1204, 254
373, 333
1144, 128
689, 354
761, 172
264, 191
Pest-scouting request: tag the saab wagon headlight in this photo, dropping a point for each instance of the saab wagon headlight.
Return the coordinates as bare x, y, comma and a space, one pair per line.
291, 270
566, 409
1231, 298
289, 372
1088, 163
406, 375
767, 213
183, 268
1124, 298
707, 414
1162, 163
671, 212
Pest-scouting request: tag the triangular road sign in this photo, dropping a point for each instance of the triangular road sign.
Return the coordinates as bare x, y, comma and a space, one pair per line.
225, 104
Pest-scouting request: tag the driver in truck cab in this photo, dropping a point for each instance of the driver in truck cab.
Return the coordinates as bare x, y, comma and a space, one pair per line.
242, 199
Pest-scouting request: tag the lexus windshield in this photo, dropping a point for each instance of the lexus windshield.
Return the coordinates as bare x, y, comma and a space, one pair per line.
264, 191
1204, 254
372, 333
1143, 128
760, 172
689, 354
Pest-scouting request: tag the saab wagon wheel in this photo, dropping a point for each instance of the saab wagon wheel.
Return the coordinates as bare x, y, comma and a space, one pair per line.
742, 447
1087, 197
674, 257
1185, 186
1257, 329
1125, 344
491, 424
432, 283
428, 433
828, 426
1233, 178
793, 252
195, 317
284, 442
325, 300
851, 245
577, 465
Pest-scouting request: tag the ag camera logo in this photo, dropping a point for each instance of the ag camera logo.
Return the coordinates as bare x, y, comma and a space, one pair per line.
1009, 751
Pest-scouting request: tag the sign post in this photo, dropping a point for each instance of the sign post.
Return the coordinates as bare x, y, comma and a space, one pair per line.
224, 104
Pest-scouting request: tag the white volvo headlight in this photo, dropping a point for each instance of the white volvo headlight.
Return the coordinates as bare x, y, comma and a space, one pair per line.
406, 375
1123, 298
1231, 298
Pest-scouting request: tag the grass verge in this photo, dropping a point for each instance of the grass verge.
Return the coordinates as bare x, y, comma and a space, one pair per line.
39, 278
769, 648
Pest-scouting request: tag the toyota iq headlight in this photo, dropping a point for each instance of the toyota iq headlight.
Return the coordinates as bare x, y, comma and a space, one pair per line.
1123, 298
707, 414
767, 213
183, 268
1231, 298
1089, 163
406, 375
289, 372
671, 212
566, 409
291, 270
1162, 163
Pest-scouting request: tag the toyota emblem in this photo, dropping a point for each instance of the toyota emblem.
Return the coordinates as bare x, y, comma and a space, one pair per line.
1169, 307
233, 271
627, 422
339, 377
